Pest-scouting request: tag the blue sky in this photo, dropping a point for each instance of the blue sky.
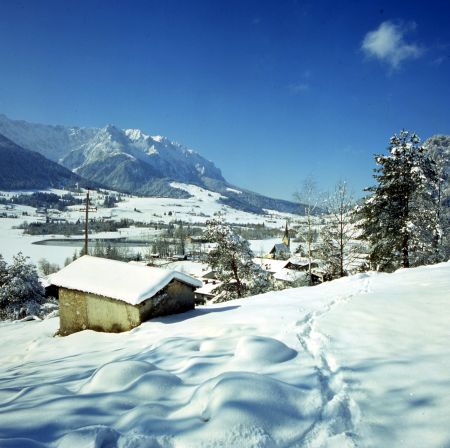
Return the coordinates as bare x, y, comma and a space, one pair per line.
271, 91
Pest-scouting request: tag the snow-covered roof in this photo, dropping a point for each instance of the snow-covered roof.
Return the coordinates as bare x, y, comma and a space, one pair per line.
288, 275
117, 280
208, 288
280, 247
269, 264
302, 261
189, 267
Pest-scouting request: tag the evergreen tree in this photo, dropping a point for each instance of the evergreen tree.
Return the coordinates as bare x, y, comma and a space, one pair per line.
232, 260
397, 218
3, 271
21, 293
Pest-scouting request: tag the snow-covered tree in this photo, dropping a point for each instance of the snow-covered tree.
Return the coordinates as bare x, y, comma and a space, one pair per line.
232, 261
311, 199
3, 271
337, 246
21, 293
47, 268
181, 235
397, 219
438, 148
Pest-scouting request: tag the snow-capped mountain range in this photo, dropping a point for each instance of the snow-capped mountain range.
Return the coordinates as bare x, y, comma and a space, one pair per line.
127, 159
133, 161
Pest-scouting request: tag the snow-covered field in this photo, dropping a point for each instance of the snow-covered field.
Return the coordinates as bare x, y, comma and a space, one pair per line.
13, 241
362, 361
202, 206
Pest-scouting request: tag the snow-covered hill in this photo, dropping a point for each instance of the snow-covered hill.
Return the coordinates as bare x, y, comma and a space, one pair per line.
133, 161
362, 361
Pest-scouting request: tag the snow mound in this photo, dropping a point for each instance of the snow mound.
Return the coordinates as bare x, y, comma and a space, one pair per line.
116, 376
263, 350
246, 409
90, 437
156, 385
38, 392
20, 442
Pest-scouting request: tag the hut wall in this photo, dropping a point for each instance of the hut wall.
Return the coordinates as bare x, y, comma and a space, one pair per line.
72, 311
175, 298
81, 311
111, 315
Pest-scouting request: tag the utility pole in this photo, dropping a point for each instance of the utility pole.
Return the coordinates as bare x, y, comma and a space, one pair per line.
87, 209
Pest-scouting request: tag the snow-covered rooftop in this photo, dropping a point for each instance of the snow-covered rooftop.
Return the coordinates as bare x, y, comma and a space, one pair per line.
117, 280
281, 247
208, 288
271, 265
289, 275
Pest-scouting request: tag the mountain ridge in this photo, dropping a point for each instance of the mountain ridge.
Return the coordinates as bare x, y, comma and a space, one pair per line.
133, 161
21, 168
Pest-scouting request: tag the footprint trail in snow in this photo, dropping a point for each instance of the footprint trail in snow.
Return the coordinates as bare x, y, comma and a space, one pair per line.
339, 413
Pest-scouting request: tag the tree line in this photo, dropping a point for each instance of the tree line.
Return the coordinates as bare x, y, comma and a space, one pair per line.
403, 221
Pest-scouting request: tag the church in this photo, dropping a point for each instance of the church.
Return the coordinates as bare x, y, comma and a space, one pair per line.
281, 251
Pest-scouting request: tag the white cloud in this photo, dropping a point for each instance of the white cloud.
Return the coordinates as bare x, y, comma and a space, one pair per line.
387, 44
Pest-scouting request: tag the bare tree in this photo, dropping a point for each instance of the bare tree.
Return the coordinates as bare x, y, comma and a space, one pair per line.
338, 247
311, 199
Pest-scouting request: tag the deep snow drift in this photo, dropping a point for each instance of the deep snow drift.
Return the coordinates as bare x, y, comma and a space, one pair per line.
362, 361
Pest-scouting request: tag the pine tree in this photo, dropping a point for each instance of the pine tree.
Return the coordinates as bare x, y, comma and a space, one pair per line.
21, 293
3, 271
396, 219
232, 261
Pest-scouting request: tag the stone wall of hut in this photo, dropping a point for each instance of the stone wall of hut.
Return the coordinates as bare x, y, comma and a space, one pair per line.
80, 311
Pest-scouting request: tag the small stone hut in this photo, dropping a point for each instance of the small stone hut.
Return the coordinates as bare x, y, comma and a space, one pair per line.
113, 296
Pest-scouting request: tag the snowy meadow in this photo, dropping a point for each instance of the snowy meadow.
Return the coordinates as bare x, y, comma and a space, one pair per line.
360, 361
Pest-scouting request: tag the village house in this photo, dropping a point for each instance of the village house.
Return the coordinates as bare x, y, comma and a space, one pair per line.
207, 292
301, 264
112, 296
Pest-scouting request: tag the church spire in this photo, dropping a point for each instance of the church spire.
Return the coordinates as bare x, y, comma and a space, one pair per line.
286, 240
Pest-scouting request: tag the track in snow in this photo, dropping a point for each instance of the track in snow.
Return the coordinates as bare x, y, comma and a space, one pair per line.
339, 413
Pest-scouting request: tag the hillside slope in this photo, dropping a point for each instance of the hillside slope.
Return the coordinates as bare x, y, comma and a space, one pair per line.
361, 361
24, 169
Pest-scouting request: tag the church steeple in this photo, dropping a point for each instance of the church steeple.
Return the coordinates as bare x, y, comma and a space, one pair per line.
286, 240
